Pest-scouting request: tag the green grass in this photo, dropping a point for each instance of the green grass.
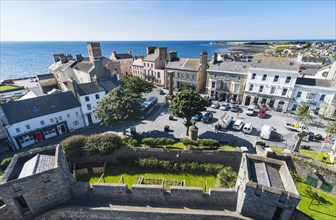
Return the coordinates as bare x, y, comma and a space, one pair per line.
325, 210
131, 174
7, 87
229, 148
313, 155
277, 149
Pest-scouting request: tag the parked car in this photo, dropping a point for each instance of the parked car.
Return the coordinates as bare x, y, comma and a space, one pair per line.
207, 117
318, 137
215, 105
224, 106
250, 110
262, 113
161, 92
247, 129
198, 117
224, 121
7, 82
238, 125
234, 107
297, 127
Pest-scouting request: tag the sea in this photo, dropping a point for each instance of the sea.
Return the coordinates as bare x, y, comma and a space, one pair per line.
28, 59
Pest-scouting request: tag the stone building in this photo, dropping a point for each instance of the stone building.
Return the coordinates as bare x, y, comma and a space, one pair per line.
154, 64
266, 189
226, 80
188, 72
122, 62
34, 182
270, 81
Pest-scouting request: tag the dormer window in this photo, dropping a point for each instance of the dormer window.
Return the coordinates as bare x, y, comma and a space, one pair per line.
35, 109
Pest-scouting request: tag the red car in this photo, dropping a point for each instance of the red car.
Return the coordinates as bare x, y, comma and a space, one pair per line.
262, 113
7, 81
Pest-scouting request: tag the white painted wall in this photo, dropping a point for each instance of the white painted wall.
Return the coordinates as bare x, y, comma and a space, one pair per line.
93, 101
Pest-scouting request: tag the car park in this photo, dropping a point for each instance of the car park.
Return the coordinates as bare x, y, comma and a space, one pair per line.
215, 105
224, 106
207, 117
262, 113
238, 125
247, 129
250, 110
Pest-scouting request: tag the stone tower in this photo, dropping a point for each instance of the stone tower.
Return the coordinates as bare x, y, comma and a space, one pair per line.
94, 51
202, 74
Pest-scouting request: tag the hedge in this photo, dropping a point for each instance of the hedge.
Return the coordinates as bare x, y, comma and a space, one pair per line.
152, 162
154, 142
5, 162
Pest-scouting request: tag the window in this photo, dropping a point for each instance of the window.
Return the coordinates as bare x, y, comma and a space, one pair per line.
213, 85
60, 118
89, 107
227, 77
310, 96
158, 74
42, 122
178, 75
276, 79
284, 92
51, 120
272, 90
251, 87
97, 96
151, 65
87, 98
253, 76
77, 113
322, 97
288, 79
226, 85
28, 127
215, 75
17, 130
68, 115
298, 95
239, 78
261, 88
75, 123
264, 77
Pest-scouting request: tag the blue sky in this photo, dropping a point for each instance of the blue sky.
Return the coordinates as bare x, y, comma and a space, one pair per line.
166, 20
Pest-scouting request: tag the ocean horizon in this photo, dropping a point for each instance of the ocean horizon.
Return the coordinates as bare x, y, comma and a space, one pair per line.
20, 59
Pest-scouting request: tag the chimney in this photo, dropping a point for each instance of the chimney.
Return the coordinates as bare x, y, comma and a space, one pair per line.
129, 52
57, 57
150, 50
299, 58
214, 58
79, 57
163, 53
72, 86
172, 55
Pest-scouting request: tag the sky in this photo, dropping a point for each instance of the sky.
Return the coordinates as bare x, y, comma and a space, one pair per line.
167, 20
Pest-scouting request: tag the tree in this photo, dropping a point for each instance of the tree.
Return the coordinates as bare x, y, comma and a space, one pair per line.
137, 85
119, 106
73, 146
186, 104
226, 178
331, 128
303, 112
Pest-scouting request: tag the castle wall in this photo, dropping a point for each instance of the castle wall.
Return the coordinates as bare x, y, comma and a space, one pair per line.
227, 158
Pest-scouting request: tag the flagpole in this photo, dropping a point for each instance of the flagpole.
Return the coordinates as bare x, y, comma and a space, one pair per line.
324, 142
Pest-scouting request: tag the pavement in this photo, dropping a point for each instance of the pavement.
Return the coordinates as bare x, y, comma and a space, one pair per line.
153, 126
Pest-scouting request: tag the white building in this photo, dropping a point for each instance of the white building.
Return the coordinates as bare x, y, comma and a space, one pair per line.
319, 94
138, 68
88, 94
271, 81
29, 121
154, 64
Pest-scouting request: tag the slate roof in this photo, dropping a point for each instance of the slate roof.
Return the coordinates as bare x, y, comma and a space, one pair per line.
110, 84
45, 76
18, 111
84, 66
151, 57
88, 88
137, 62
316, 82
39, 163
121, 56
239, 67
279, 63
192, 64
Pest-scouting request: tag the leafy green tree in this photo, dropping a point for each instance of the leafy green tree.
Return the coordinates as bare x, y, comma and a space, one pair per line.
103, 144
73, 146
186, 104
226, 178
119, 106
331, 128
137, 85
303, 112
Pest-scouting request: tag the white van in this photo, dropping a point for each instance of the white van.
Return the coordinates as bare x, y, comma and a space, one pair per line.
224, 121
265, 132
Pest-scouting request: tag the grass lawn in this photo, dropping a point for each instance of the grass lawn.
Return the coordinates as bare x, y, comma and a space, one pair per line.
277, 149
325, 210
313, 155
180, 145
7, 87
131, 174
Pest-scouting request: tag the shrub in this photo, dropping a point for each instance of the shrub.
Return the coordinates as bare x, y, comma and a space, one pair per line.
189, 142
5, 162
130, 142
164, 141
73, 146
151, 142
305, 147
102, 144
226, 178
208, 143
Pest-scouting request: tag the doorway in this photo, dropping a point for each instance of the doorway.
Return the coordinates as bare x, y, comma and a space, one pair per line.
22, 205
61, 129
247, 100
89, 117
277, 214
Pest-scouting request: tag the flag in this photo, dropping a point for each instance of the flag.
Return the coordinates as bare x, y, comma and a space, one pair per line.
326, 139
